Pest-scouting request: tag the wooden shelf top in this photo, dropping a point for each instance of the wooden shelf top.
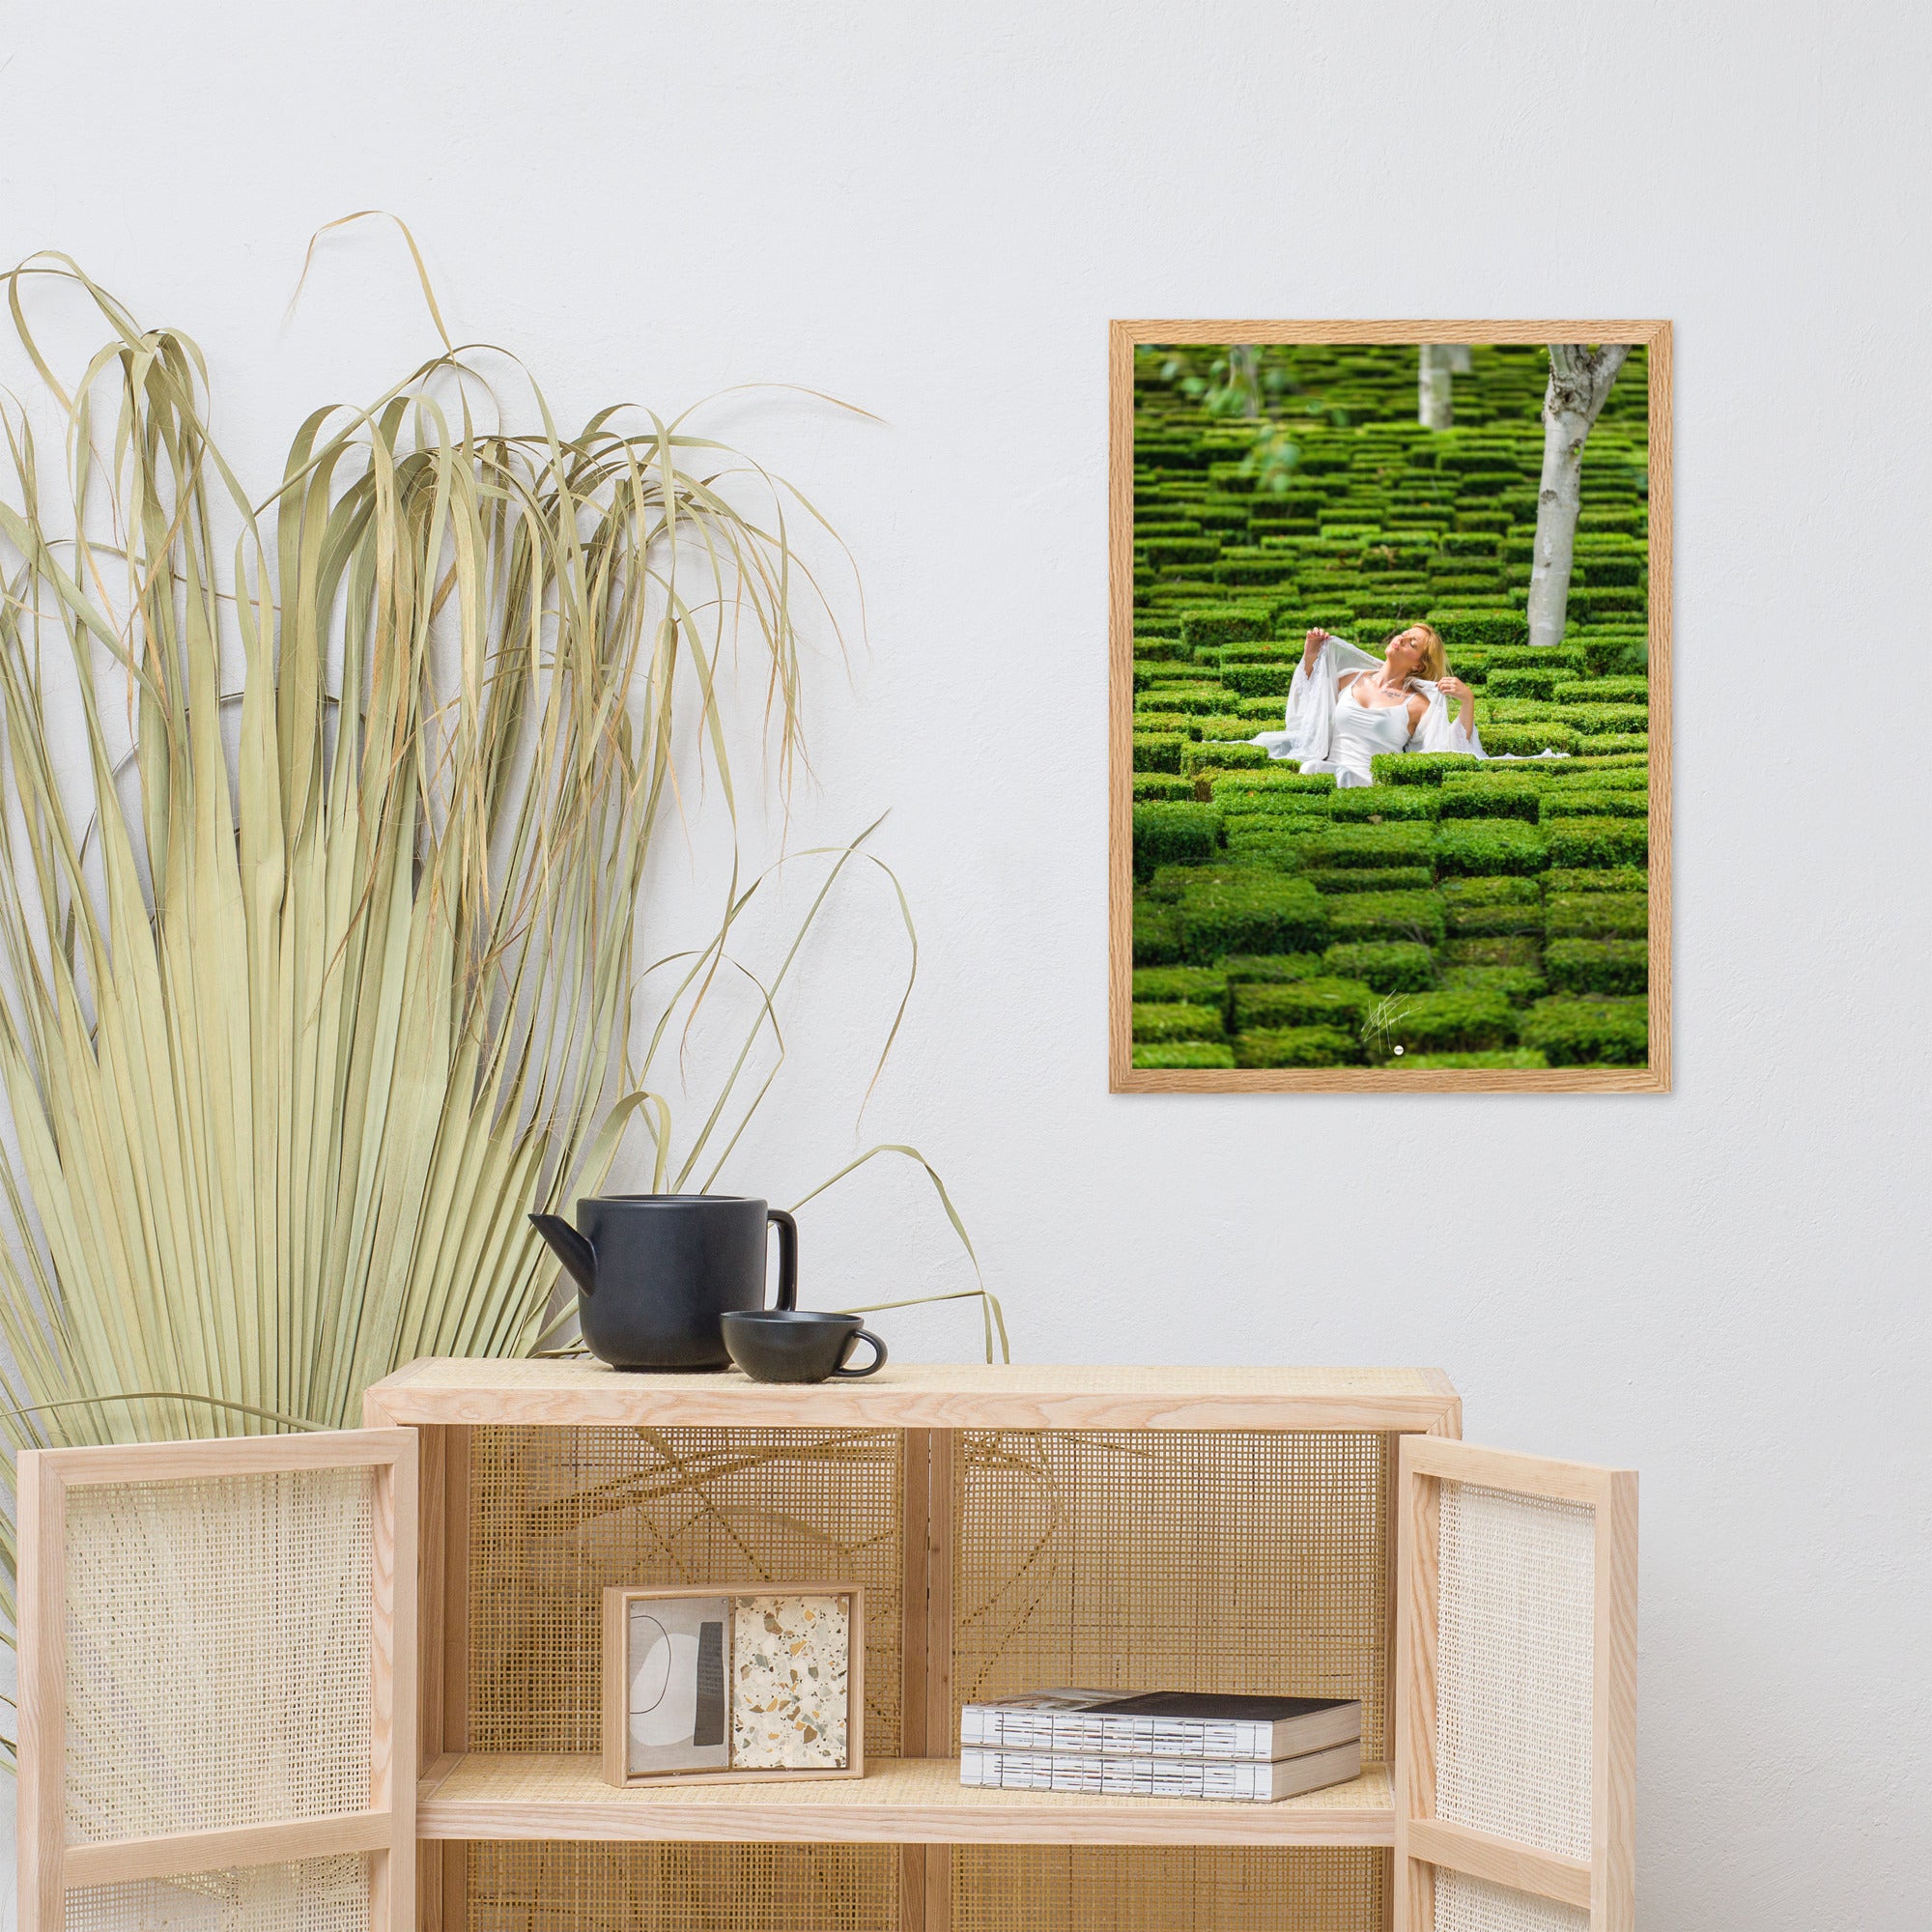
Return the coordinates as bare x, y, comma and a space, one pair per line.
899, 1802
920, 1395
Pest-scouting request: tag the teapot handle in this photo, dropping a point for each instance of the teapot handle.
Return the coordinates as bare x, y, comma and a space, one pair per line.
787, 1257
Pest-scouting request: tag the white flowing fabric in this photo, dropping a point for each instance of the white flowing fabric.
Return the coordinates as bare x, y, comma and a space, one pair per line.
1328, 735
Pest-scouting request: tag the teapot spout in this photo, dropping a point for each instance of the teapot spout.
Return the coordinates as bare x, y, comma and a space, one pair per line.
570, 1248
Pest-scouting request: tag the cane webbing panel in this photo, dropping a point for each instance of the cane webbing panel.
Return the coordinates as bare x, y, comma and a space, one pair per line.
1464, 1904
532, 1886
1239, 1561
313, 1895
558, 1514
217, 1652
1513, 1667
1113, 1888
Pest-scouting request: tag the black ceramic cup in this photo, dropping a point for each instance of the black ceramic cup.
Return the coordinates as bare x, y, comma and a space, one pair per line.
790, 1344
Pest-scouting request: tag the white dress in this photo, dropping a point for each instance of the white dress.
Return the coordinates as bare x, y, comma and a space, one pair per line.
1360, 732
1328, 732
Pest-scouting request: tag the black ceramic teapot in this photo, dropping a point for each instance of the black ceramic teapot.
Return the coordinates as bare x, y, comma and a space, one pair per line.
654, 1272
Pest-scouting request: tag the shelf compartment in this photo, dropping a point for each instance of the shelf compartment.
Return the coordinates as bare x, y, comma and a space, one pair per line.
899, 1802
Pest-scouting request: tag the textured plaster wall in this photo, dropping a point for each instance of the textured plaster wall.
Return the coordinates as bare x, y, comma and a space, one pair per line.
933, 211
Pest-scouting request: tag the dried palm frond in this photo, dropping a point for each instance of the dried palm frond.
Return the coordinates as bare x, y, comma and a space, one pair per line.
317, 973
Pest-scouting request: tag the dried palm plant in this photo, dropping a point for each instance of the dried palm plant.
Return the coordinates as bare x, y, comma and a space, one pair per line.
319, 972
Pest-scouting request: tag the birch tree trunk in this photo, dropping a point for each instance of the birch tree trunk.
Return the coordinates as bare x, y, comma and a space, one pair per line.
1244, 374
1458, 353
1579, 380
1433, 386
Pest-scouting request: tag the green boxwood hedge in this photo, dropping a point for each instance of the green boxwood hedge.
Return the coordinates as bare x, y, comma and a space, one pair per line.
1526, 656
1490, 798
1577, 801
1297, 1046
1371, 845
1225, 909
1416, 916
1181, 1055
1448, 1022
1600, 773
1150, 649
1523, 681
1598, 841
1420, 768
1168, 833
1198, 760
1296, 1003
1494, 629
1370, 878
1511, 889
1490, 922
1573, 1029
1379, 804
1272, 968
1281, 779
1610, 650
1157, 750
1161, 785
1606, 690
1603, 879
1489, 907
1598, 914
1197, 985
1197, 700
1507, 951
1388, 965
1474, 847
1527, 740
1170, 1019
1517, 984
1257, 680
1156, 934
1274, 846
1223, 624
1597, 965
1596, 721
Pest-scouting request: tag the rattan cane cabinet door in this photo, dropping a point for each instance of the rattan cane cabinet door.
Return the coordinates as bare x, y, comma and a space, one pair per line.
218, 1684
1516, 1692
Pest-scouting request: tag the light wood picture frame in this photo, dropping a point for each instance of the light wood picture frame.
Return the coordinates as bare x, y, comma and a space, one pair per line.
187, 1551
617, 1664
1125, 339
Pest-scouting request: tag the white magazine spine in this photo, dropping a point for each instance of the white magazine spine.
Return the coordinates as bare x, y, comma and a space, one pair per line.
1022, 1730
1116, 1776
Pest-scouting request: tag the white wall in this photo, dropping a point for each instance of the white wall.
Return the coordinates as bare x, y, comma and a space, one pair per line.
933, 211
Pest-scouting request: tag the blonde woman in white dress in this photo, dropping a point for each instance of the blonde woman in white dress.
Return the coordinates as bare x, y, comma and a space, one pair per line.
1344, 707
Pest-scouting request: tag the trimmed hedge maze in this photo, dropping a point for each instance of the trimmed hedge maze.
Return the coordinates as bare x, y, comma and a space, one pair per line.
1458, 912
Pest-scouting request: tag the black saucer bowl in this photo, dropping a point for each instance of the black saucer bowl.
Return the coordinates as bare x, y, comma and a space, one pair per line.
792, 1344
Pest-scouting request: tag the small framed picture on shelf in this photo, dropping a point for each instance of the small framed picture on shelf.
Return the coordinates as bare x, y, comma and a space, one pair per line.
733, 1682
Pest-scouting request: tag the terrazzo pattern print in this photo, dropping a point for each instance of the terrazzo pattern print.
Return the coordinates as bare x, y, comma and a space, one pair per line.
790, 1659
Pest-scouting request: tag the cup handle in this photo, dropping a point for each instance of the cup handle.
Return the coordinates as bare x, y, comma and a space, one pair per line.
872, 1366
787, 1257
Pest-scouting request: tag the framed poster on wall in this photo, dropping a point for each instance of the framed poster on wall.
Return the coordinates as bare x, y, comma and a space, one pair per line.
1389, 741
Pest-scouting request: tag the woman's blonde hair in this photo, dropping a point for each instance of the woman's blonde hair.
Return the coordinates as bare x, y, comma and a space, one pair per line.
1434, 661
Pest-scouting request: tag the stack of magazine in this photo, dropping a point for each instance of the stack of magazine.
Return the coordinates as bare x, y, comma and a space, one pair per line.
1163, 1744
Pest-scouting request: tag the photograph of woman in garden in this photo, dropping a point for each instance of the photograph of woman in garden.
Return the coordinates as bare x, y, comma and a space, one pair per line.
1345, 706
1391, 663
